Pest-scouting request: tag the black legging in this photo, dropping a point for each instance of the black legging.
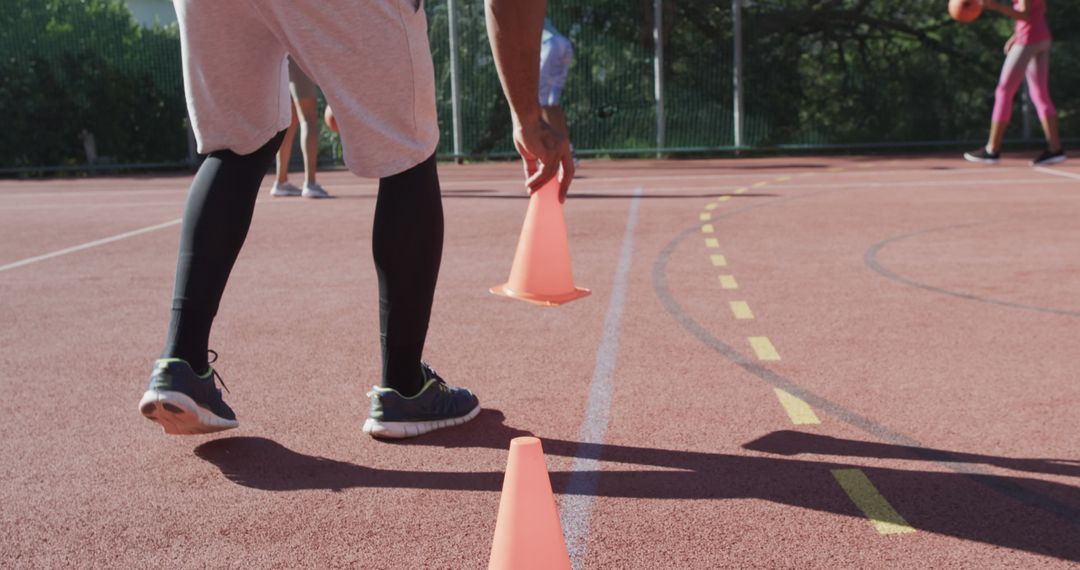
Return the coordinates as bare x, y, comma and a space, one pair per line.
406, 241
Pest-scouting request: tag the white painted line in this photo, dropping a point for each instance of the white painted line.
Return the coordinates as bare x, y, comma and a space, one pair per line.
96, 206
356, 183
576, 504
88, 245
1062, 173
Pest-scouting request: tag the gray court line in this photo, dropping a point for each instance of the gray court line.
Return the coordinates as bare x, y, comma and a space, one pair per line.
871, 261
88, 245
977, 474
585, 473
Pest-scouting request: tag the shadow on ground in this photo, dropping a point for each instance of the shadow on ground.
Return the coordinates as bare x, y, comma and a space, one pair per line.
948, 503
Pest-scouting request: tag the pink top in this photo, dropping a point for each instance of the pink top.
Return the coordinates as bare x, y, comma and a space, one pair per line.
1035, 30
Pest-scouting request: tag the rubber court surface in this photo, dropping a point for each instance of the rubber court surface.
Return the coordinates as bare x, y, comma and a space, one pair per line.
785, 363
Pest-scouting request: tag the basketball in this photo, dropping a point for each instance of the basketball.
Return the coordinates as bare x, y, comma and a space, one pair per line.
328, 116
965, 10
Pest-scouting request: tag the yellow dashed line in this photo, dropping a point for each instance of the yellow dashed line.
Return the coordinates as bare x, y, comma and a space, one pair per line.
764, 348
707, 229
712, 243
718, 260
834, 169
711, 206
783, 179
728, 282
741, 310
865, 496
723, 198
741, 190
705, 216
799, 411
760, 184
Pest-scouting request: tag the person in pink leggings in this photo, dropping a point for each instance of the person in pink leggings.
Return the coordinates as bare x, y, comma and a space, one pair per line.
1027, 54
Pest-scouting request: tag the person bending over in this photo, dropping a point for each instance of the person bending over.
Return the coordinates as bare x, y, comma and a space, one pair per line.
382, 90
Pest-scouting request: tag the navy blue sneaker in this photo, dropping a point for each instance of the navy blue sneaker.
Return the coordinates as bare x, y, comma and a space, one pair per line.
983, 156
184, 402
438, 405
1049, 157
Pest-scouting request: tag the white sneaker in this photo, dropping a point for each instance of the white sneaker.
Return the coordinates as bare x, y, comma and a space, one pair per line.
280, 189
313, 190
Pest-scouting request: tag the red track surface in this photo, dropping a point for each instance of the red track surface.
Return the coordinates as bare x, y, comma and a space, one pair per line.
925, 310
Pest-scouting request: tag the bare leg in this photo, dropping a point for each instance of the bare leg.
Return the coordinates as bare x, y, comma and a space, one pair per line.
285, 152
309, 135
1050, 128
997, 134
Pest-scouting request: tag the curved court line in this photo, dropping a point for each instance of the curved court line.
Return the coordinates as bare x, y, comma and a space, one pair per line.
871, 261
585, 473
776, 380
88, 245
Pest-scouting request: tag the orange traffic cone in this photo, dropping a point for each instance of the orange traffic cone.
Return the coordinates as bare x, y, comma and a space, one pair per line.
527, 532
541, 271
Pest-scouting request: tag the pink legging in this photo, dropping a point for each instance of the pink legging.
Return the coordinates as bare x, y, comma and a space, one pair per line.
1034, 61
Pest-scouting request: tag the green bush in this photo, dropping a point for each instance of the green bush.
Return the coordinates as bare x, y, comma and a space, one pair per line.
817, 72
77, 67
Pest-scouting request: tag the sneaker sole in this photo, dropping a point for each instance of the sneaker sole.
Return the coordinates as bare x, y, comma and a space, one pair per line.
978, 160
1055, 160
178, 414
284, 194
403, 430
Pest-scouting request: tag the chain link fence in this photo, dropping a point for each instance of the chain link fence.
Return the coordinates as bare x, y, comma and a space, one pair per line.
86, 87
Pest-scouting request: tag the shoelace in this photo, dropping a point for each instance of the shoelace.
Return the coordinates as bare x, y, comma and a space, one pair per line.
214, 370
432, 375
429, 374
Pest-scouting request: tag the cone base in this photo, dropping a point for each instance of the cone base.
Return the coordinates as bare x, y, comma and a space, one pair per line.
543, 300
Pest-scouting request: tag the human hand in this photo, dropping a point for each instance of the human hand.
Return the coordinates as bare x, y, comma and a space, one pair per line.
544, 152
1009, 44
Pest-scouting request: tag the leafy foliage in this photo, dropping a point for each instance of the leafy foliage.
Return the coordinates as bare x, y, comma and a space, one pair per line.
816, 72
77, 67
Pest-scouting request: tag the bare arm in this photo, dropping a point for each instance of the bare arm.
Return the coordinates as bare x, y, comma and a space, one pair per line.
1022, 14
514, 28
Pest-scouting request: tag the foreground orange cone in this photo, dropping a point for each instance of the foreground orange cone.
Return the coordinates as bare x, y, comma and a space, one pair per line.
541, 271
527, 532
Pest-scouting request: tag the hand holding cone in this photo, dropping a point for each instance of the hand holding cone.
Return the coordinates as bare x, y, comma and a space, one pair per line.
541, 272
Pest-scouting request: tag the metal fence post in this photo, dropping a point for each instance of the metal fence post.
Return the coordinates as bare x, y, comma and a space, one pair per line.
455, 77
737, 79
658, 73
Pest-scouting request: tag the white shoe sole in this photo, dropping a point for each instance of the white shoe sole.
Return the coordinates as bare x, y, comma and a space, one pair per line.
978, 160
402, 430
283, 194
178, 414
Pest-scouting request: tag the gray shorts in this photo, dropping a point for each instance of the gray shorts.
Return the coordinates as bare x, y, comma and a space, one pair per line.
556, 56
370, 58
